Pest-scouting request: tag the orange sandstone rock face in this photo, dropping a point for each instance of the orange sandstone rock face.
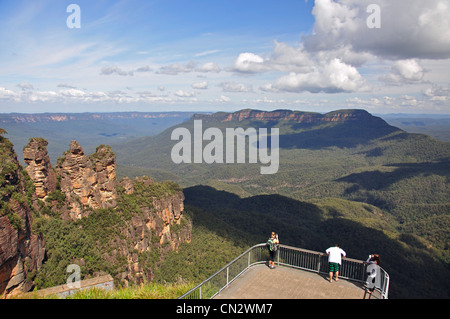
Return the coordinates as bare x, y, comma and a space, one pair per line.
87, 181
80, 184
21, 251
39, 167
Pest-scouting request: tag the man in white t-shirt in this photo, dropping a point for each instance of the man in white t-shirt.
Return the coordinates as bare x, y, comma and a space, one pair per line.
335, 255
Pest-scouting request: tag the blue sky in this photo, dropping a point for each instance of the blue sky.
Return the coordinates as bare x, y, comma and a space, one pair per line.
225, 55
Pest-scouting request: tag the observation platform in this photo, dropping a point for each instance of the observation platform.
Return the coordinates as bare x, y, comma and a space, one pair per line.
261, 282
299, 274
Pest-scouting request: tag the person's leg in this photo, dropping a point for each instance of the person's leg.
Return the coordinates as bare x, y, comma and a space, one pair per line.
337, 271
330, 271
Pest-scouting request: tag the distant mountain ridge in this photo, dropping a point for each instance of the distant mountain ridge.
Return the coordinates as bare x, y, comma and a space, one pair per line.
288, 115
64, 117
89, 129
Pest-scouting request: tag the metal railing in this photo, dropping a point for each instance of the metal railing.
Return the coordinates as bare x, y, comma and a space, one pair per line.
351, 269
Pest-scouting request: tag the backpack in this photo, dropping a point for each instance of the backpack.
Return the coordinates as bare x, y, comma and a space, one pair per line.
271, 246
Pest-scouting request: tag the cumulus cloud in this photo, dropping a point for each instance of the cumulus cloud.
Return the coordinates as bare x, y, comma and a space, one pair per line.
321, 72
249, 63
8, 95
176, 68
405, 71
25, 86
406, 25
200, 85
113, 69
224, 98
343, 40
440, 94
72, 95
181, 93
191, 66
235, 87
144, 68
209, 67
330, 77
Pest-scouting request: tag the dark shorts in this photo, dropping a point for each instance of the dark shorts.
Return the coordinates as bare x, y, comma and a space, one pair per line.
333, 267
272, 255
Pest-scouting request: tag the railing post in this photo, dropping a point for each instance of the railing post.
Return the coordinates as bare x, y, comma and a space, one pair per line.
278, 257
228, 275
318, 262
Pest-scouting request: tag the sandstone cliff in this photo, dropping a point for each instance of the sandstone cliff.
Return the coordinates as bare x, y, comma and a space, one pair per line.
146, 217
87, 181
288, 115
39, 167
152, 231
21, 251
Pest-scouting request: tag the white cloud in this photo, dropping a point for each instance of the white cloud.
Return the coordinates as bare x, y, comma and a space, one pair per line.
181, 93
329, 77
235, 87
268, 87
329, 59
249, 63
200, 85
224, 98
438, 94
191, 66
108, 70
25, 86
289, 59
8, 95
43, 96
176, 68
409, 28
405, 71
209, 67
144, 68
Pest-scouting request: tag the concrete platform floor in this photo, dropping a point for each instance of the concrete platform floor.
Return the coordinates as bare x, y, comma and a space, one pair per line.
261, 282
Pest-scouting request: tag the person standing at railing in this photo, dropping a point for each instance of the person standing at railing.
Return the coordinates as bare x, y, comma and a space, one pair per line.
335, 255
272, 245
373, 274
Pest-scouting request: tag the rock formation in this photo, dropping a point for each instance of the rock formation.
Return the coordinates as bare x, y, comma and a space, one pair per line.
21, 251
87, 181
39, 168
158, 227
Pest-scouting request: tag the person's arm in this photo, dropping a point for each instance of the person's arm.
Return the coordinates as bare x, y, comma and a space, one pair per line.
369, 260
